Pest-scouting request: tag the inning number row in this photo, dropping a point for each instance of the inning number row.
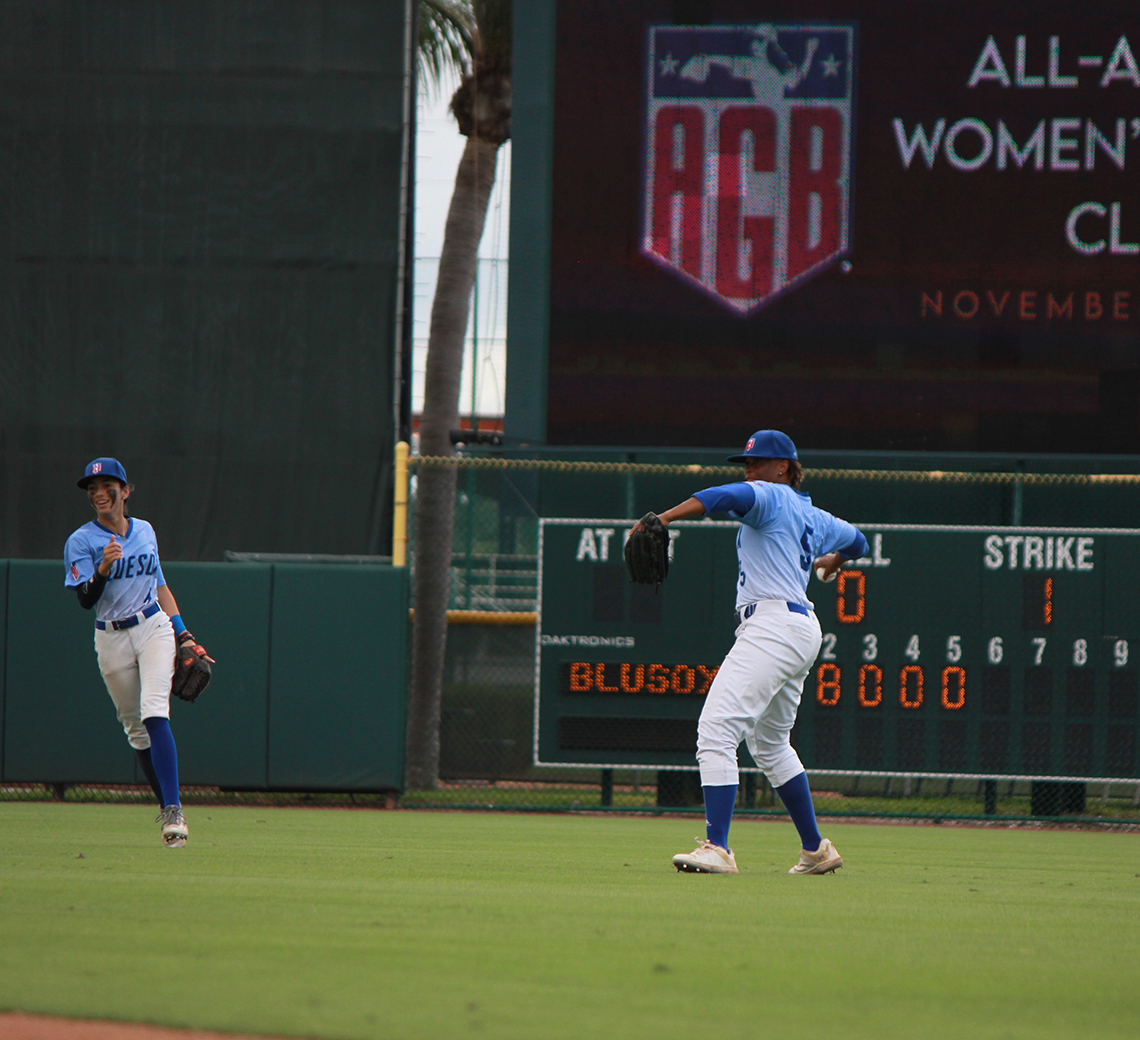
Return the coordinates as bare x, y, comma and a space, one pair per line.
1078, 653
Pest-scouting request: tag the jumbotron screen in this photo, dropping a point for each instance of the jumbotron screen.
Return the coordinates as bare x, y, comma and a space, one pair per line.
874, 225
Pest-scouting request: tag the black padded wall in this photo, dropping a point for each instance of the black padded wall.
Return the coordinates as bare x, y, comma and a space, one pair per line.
199, 242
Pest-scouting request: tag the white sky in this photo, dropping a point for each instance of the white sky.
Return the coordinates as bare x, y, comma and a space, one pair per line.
439, 146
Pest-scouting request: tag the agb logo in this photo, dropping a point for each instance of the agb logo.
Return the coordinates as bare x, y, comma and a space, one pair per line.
748, 155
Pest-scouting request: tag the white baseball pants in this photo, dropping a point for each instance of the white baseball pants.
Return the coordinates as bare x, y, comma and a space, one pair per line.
137, 665
756, 694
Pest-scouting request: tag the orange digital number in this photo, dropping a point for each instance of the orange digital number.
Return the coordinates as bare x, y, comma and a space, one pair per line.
1048, 607
956, 698
909, 698
873, 673
658, 679
827, 678
855, 614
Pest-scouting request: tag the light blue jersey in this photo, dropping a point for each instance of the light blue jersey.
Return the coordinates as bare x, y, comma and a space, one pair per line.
134, 580
780, 534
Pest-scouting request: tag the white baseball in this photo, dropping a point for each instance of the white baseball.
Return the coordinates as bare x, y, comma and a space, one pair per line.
821, 573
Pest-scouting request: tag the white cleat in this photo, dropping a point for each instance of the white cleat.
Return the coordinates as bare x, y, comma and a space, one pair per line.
825, 860
174, 829
706, 858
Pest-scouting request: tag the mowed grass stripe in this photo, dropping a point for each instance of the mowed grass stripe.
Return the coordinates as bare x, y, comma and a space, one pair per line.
344, 924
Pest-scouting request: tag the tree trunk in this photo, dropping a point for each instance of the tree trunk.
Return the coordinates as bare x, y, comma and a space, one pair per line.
435, 485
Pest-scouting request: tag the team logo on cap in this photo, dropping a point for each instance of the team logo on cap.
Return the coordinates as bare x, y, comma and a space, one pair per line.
751, 441
748, 155
97, 467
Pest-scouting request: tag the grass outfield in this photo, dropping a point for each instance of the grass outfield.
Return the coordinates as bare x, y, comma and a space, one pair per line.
421, 925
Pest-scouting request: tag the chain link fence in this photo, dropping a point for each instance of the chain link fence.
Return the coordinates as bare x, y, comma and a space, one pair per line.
488, 712
488, 716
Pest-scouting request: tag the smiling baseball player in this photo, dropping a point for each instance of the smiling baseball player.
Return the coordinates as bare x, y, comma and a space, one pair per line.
112, 563
757, 689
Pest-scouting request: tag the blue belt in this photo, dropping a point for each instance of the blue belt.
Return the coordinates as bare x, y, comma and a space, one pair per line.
129, 622
796, 608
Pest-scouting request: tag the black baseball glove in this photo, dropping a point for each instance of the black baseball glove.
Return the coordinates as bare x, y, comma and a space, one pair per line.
191, 668
647, 551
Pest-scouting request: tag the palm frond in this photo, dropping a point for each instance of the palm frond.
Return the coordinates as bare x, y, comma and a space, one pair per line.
446, 38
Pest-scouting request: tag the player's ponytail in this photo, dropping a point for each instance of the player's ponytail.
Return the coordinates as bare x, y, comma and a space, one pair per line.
795, 474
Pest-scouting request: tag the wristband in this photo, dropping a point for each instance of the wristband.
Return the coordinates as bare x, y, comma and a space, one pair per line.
179, 626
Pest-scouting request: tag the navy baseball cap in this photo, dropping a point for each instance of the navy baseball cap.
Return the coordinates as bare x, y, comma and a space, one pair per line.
102, 468
767, 444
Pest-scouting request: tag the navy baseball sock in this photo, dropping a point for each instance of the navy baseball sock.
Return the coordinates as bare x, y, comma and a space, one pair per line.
147, 766
796, 796
164, 758
719, 803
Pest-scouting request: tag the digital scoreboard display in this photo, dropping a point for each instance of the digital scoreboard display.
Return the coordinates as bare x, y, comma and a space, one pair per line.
867, 224
948, 651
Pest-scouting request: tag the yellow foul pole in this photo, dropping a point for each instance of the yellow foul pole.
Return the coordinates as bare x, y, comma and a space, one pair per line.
400, 508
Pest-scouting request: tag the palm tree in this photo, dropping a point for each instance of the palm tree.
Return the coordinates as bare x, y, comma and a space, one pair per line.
475, 37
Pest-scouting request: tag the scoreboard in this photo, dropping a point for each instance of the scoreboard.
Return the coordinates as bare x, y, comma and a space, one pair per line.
949, 651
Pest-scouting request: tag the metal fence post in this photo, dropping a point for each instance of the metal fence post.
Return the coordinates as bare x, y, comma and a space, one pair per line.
607, 787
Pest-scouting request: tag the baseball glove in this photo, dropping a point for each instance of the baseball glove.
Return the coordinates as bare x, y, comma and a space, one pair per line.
191, 668
647, 551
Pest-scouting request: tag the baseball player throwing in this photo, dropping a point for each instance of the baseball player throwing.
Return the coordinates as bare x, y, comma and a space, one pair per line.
112, 563
757, 689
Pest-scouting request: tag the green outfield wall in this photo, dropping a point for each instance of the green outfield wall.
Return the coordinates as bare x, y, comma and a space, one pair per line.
308, 690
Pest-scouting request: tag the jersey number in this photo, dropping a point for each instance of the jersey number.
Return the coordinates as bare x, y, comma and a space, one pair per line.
805, 556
